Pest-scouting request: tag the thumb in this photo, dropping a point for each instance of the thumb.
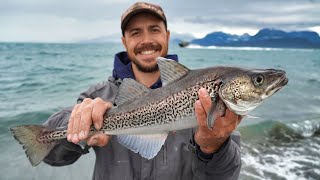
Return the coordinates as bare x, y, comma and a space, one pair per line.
99, 108
98, 139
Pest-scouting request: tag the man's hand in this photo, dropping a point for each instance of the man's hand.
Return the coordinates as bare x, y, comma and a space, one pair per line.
211, 140
85, 114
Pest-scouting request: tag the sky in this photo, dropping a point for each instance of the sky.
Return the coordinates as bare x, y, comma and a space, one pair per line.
78, 20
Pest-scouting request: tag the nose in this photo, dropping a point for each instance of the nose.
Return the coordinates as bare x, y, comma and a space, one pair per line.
147, 38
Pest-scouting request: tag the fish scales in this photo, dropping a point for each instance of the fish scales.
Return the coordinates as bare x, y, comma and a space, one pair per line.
164, 111
172, 108
193, 78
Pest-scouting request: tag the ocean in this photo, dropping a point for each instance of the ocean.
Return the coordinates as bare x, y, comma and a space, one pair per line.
38, 79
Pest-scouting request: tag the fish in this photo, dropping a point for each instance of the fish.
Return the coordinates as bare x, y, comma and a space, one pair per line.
142, 117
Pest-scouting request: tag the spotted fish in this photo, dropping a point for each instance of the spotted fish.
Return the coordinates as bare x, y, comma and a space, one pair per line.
143, 117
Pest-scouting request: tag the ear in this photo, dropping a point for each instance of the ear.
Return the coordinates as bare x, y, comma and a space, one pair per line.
168, 36
123, 39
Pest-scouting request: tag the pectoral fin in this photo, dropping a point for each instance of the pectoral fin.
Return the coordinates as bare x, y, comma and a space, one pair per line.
147, 145
217, 109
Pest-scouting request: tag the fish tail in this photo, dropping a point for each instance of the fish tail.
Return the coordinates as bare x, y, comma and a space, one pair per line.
36, 148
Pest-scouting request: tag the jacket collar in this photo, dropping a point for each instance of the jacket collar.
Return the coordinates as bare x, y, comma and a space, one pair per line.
122, 67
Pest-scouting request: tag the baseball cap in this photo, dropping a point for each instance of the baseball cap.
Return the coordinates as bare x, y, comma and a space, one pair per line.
140, 7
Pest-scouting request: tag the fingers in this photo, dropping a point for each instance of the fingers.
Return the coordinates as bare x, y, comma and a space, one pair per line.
231, 117
221, 108
83, 115
226, 122
209, 109
85, 121
231, 121
71, 119
98, 139
100, 107
201, 115
205, 99
80, 120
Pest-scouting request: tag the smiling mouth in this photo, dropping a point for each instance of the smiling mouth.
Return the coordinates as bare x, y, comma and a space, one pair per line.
148, 49
147, 52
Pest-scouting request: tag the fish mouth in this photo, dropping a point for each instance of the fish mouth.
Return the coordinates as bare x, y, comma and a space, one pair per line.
277, 85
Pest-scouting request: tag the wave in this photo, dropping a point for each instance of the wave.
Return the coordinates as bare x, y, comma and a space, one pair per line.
46, 53
37, 117
314, 81
306, 128
275, 131
281, 150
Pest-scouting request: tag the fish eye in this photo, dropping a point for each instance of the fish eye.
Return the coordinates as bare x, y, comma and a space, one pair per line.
258, 80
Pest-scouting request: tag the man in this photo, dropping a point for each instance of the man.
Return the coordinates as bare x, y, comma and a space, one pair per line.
186, 154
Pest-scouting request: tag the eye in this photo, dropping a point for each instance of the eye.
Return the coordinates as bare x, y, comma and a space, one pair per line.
134, 33
258, 80
155, 30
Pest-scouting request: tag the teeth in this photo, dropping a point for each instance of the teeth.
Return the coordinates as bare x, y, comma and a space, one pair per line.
147, 52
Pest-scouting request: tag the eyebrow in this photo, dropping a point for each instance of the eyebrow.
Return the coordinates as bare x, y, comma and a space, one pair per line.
134, 29
153, 26
138, 28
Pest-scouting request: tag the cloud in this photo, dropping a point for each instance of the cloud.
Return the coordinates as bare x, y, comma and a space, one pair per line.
237, 17
261, 14
51, 28
72, 20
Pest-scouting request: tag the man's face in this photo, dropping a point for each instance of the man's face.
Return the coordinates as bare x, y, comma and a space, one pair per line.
146, 38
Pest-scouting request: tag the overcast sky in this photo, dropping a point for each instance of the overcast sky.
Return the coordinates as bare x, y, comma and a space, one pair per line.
74, 20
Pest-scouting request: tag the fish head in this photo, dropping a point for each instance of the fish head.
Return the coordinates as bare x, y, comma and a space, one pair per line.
244, 90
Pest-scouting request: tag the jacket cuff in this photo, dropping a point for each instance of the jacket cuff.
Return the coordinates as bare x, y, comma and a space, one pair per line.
207, 157
204, 157
65, 153
223, 164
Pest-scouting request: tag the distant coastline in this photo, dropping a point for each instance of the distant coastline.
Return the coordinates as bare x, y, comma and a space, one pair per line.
269, 38
265, 38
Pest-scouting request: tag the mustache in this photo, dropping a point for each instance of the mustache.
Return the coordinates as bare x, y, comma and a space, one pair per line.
147, 47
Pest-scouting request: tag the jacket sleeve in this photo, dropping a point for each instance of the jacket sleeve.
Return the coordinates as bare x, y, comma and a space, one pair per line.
65, 152
224, 164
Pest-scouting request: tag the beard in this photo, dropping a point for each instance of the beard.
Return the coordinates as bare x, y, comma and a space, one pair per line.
145, 69
139, 65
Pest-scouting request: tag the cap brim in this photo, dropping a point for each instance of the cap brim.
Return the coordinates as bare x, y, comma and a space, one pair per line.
125, 21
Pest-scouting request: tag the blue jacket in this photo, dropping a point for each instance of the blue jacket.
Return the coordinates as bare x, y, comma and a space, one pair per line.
122, 67
179, 158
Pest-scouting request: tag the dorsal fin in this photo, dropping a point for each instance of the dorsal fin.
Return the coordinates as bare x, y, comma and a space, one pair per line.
129, 90
171, 70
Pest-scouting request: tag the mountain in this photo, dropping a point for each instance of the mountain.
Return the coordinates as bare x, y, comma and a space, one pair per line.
178, 37
264, 38
114, 38
220, 39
